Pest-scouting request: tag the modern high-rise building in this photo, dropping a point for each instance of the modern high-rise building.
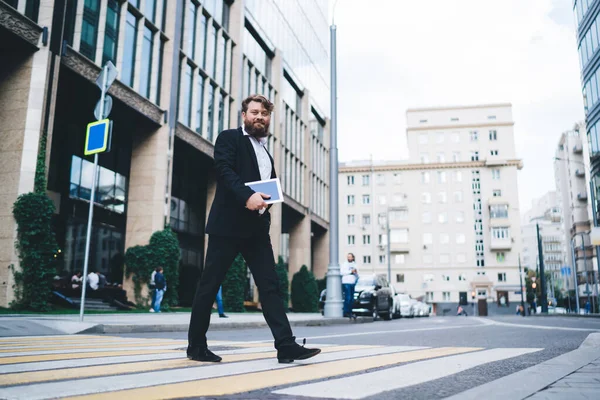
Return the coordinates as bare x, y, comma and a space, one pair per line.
184, 67
545, 215
570, 170
588, 41
452, 207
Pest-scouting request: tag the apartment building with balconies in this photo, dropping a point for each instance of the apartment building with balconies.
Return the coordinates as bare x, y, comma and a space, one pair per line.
451, 207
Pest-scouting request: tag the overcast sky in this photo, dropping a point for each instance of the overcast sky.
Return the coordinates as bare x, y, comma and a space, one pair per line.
399, 54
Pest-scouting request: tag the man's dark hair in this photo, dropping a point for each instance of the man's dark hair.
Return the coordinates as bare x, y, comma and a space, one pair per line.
353, 258
259, 98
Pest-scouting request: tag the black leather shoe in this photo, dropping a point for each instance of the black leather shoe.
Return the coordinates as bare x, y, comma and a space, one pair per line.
223, 316
202, 354
287, 354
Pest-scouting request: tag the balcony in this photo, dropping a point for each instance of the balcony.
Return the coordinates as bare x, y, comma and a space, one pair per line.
580, 173
399, 247
494, 161
582, 196
578, 149
500, 244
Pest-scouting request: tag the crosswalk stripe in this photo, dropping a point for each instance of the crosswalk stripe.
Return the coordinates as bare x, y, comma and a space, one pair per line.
353, 387
116, 347
104, 370
40, 350
50, 357
203, 371
50, 337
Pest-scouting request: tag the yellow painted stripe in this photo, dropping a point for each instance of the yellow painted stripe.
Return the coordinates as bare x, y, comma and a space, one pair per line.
4, 348
73, 356
49, 338
258, 380
117, 369
92, 346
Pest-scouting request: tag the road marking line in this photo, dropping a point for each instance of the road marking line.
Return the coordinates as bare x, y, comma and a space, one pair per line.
155, 365
50, 337
53, 357
141, 380
393, 331
354, 387
89, 346
552, 328
113, 348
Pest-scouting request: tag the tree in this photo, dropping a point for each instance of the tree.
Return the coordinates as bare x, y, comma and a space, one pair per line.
281, 268
305, 295
234, 284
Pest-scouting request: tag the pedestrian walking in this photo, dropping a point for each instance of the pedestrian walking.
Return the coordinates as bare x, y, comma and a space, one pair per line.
349, 278
220, 308
239, 222
152, 287
161, 285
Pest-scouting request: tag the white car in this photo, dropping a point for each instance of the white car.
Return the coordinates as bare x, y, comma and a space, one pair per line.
422, 309
404, 306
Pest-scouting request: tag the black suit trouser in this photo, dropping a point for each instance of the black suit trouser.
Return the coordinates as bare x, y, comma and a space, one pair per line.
258, 253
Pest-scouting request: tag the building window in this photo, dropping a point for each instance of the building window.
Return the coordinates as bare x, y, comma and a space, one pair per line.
456, 137
382, 219
399, 236
456, 156
186, 95
428, 278
461, 258
426, 198
366, 239
366, 199
399, 215
444, 259
111, 34
427, 259
382, 240
146, 65
423, 139
424, 177
496, 174
500, 256
443, 217
441, 157
351, 219
446, 296
190, 28
429, 296
493, 135
399, 198
380, 179
426, 217
399, 259
458, 197
474, 156
89, 28
366, 219
474, 135
502, 277
440, 137
462, 277
129, 47
350, 180
399, 278
460, 238
444, 238
351, 240
499, 211
397, 178
482, 293
497, 193
441, 176
381, 259
460, 217
457, 176
424, 158
200, 109
500, 233
493, 152
365, 180
366, 259
442, 197
350, 199
382, 199
427, 238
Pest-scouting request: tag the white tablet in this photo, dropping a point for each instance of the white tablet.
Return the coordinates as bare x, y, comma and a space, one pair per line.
271, 187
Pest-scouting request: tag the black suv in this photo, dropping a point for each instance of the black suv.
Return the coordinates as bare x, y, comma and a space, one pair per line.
373, 297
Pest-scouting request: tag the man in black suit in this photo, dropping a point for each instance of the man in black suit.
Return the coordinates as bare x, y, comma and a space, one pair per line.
239, 222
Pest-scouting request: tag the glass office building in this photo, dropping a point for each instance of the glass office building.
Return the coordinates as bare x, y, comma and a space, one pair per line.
184, 66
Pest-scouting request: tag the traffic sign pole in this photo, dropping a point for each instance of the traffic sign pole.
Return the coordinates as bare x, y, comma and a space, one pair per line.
92, 195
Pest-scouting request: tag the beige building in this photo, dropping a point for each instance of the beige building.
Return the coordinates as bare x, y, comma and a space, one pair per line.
183, 69
453, 209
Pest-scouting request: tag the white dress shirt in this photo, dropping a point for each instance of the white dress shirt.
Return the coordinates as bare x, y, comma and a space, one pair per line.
262, 156
346, 271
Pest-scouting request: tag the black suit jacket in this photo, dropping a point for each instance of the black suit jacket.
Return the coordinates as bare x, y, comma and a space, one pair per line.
236, 164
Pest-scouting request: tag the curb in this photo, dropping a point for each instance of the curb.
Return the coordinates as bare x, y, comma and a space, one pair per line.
114, 329
570, 315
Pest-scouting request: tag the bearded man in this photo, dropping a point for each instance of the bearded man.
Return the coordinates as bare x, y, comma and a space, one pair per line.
239, 222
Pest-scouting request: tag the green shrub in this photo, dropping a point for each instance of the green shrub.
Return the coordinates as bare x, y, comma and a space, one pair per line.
281, 268
322, 284
37, 247
305, 296
233, 286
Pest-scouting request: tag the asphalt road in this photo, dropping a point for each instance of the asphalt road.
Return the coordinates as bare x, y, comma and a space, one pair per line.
556, 335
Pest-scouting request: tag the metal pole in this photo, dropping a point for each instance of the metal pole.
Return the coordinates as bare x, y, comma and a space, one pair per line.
389, 261
587, 281
91, 210
574, 273
333, 302
543, 295
521, 283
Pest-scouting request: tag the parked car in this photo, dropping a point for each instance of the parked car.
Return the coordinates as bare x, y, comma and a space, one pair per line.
422, 309
405, 308
373, 297
322, 299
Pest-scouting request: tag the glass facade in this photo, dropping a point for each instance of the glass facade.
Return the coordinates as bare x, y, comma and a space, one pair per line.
128, 67
89, 28
111, 33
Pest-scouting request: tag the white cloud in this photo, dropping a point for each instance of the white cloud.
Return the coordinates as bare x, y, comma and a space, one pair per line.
398, 54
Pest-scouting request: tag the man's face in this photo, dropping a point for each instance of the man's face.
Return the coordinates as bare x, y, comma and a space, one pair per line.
256, 120
350, 258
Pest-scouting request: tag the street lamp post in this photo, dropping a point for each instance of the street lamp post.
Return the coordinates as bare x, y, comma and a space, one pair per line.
543, 295
333, 302
521, 283
389, 261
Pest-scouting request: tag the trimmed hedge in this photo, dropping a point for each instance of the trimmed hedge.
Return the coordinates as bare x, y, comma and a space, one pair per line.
234, 286
305, 295
281, 268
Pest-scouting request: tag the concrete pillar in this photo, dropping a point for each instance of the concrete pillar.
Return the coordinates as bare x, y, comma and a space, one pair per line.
211, 190
320, 252
146, 196
300, 239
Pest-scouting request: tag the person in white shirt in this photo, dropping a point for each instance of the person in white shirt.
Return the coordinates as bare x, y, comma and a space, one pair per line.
153, 289
92, 280
349, 277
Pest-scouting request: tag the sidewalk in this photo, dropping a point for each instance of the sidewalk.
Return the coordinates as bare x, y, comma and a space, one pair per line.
139, 323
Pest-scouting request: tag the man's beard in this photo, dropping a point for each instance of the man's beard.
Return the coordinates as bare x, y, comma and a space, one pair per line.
257, 131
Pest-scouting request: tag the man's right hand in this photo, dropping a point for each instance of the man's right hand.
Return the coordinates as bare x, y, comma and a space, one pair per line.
257, 201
